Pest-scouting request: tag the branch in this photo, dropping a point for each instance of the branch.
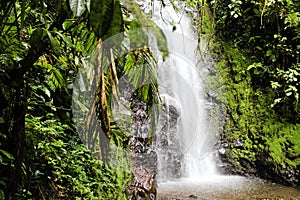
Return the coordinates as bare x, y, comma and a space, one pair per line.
36, 50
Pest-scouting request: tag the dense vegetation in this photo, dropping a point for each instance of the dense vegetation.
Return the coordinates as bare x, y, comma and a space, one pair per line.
43, 45
258, 58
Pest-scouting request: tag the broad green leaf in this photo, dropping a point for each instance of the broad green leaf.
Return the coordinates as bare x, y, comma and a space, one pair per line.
77, 6
162, 42
67, 24
90, 43
67, 40
250, 67
100, 16
2, 196
269, 52
8, 155
117, 21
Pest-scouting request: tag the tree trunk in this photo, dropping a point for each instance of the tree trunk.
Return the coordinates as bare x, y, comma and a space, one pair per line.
16, 139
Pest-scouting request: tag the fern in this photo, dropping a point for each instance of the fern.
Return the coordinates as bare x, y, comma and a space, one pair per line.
56, 79
142, 72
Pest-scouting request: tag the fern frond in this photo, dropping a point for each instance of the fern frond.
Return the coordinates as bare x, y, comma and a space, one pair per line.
56, 79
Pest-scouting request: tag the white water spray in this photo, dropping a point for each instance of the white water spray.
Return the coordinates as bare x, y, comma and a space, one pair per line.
183, 150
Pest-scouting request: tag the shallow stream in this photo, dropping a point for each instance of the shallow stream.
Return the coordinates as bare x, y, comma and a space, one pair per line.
225, 187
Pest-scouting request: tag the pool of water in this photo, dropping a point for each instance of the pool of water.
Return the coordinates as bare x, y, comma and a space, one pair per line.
225, 187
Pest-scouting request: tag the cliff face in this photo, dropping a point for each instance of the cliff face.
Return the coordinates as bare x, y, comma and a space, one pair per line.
260, 129
255, 140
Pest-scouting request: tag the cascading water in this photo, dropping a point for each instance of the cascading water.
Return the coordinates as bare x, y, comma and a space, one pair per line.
183, 138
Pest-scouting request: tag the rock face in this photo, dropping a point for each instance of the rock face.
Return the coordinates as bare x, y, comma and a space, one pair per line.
143, 184
167, 141
260, 165
143, 156
144, 149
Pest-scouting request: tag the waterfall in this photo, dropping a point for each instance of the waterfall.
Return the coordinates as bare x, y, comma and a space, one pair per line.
183, 137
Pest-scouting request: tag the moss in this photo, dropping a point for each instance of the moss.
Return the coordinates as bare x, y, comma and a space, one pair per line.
258, 141
275, 149
285, 144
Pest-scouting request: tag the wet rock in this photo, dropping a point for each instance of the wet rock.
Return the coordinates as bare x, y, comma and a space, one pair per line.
143, 184
222, 151
212, 93
142, 154
139, 145
238, 143
168, 140
192, 196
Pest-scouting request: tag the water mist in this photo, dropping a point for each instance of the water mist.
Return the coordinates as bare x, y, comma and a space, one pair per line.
183, 137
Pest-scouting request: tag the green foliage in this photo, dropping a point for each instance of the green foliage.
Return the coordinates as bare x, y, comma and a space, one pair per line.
5, 159
243, 105
284, 145
258, 142
268, 32
140, 21
42, 45
69, 168
116, 25
142, 72
287, 86
101, 13
258, 62
55, 78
